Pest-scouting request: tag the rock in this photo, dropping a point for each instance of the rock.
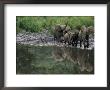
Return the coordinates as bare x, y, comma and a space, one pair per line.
40, 39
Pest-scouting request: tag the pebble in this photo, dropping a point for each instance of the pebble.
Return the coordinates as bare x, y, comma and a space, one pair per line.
44, 40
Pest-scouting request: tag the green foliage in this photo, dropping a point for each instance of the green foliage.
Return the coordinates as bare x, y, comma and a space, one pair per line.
38, 23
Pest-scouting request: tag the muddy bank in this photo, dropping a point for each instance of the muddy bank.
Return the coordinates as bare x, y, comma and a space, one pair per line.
44, 39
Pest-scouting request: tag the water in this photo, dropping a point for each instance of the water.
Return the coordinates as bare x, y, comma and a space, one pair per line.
53, 60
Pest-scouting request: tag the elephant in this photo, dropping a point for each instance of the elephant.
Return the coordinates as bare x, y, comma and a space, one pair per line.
67, 37
84, 37
58, 32
71, 38
63, 33
74, 38
67, 29
91, 31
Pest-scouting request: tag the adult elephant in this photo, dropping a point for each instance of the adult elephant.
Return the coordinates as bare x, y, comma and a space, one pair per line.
91, 31
67, 29
67, 37
84, 36
75, 37
58, 32
71, 38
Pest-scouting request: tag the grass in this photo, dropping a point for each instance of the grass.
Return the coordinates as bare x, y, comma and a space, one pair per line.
38, 23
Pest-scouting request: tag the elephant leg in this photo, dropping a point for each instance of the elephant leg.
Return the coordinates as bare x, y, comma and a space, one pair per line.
80, 43
77, 40
54, 38
85, 43
69, 43
76, 43
88, 42
45, 40
72, 43
65, 41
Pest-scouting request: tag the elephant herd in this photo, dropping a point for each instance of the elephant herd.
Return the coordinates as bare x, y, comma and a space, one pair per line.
64, 34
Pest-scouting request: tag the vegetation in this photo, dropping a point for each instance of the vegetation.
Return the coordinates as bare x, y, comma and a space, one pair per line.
38, 23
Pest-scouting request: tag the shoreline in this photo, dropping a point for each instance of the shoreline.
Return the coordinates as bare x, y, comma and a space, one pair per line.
35, 39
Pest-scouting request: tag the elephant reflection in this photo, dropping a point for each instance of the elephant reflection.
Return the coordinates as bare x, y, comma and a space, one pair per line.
84, 60
57, 54
81, 58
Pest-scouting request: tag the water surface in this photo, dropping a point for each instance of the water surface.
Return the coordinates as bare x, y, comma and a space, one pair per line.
53, 60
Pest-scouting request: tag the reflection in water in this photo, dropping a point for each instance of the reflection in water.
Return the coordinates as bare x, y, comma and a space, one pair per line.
54, 60
83, 58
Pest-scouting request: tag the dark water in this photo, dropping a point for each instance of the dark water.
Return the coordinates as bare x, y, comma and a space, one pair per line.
53, 60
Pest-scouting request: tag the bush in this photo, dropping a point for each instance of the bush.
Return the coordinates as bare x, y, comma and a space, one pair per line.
38, 23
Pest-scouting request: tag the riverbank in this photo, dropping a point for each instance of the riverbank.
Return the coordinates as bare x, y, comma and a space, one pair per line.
44, 39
